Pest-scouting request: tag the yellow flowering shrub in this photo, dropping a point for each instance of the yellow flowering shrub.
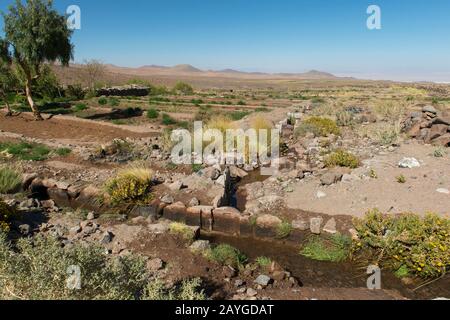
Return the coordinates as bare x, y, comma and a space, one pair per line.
6, 214
130, 186
420, 245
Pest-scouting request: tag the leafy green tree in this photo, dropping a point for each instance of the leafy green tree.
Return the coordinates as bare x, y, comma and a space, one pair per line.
36, 35
8, 79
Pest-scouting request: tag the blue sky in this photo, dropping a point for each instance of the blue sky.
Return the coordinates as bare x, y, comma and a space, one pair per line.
269, 36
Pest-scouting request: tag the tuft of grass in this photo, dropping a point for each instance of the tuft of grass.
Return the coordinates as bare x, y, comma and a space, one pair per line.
227, 255
402, 272
80, 107
62, 152
335, 249
181, 229
102, 101
439, 152
152, 113
25, 151
167, 120
284, 229
238, 115
263, 262
342, 158
6, 215
10, 179
401, 179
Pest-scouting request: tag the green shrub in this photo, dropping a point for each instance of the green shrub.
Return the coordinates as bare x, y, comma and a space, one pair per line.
263, 262
62, 152
39, 269
102, 101
341, 158
336, 248
152, 113
284, 229
241, 103
419, 244
131, 185
401, 179
320, 127
75, 92
114, 102
10, 179
188, 290
168, 120
26, 151
227, 255
344, 118
183, 88
238, 115
6, 214
182, 230
80, 107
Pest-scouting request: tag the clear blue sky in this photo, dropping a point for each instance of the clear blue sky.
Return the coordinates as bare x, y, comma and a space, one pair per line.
270, 36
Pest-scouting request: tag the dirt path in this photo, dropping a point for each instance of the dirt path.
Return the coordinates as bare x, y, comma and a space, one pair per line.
69, 129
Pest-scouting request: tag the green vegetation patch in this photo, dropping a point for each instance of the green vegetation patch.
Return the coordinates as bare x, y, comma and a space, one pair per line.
25, 151
10, 179
342, 158
227, 255
320, 127
336, 248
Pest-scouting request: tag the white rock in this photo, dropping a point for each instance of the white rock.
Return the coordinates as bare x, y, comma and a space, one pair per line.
443, 190
321, 194
409, 163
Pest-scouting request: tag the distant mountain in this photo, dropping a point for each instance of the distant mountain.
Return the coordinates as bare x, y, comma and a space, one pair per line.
187, 69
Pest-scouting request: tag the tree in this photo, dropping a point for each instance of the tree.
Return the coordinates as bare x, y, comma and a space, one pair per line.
184, 88
36, 35
94, 69
8, 79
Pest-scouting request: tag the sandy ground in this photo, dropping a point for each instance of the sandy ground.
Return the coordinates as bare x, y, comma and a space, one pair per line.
419, 193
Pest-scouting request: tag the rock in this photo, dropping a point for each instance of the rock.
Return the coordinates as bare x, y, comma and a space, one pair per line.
429, 109
90, 216
155, 264
238, 283
235, 172
217, 201
409, 163
296, 174
194, 202
221, 180
75, 230
268, 221
229, 272
320, 194
107, 237
167, 199
315, 225
251, 292
27, 179
443, 140
330, 178
436, 131
301, 225
278, 275
330, 226
62, 185
24, 229
200, 246
159, 228
443, 191
263, 280
176, 186
210, 173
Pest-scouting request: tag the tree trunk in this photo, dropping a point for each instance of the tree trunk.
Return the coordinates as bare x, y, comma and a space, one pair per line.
8, 108
34, 108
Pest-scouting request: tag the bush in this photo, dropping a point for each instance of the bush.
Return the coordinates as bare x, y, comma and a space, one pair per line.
114, 102
183, 88
152, 113
131, 185
38, 269
187, 291
263, 262
10, 179
284, 229
80, 107
320, 127
62, 152
75, 92
6, 214
26, 151
344, 118
227, 255
407, 241
336, 248
182, 230
238, 115
341, 158
168, 120
102, 101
